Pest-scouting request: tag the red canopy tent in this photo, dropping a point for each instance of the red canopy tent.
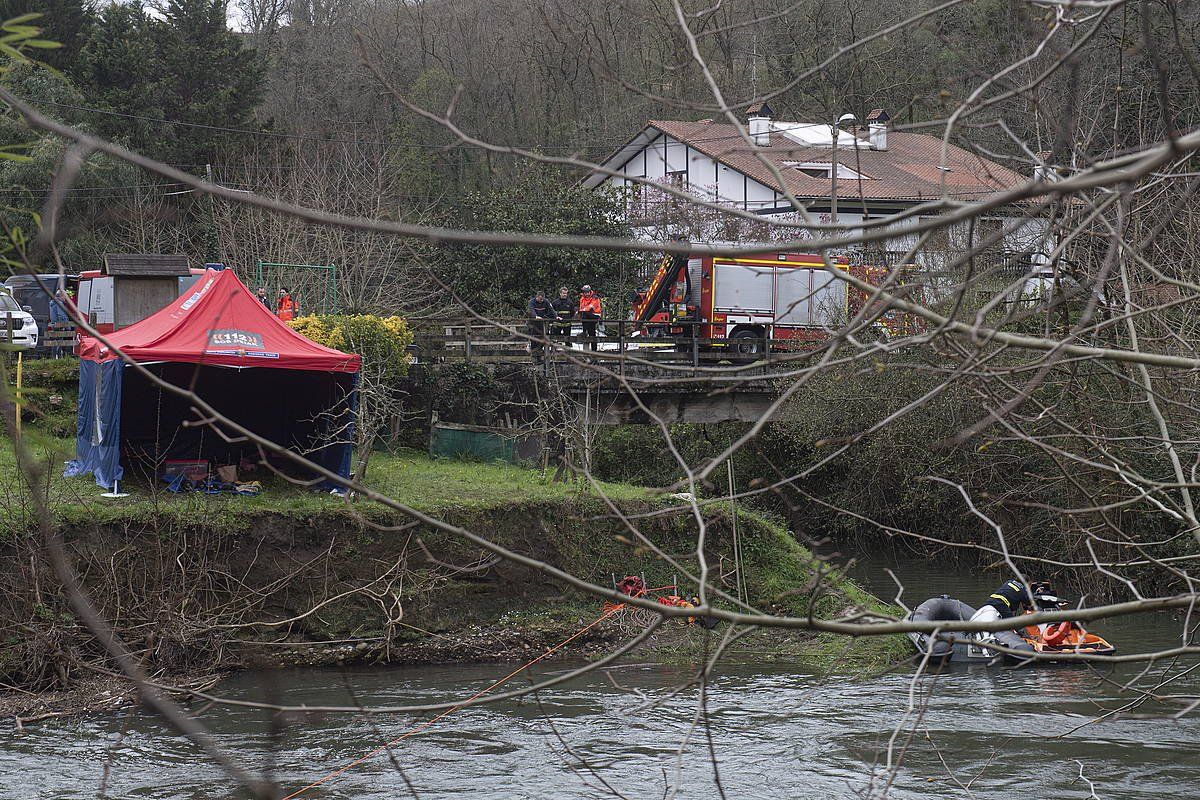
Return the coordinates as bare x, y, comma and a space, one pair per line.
219, 323
220, 341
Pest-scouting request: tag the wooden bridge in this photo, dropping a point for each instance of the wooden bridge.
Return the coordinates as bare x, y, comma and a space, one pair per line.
632, 377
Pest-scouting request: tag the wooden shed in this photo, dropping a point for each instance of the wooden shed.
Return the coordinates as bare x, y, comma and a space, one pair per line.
131, 287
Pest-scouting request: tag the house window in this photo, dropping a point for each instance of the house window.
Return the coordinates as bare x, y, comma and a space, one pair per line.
677, 179
985, 230
821, 169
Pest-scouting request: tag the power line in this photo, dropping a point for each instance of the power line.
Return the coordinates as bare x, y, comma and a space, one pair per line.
604, 148
77, 189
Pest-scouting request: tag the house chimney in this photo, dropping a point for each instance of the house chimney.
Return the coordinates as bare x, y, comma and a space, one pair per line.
758, 124
877, 128
1043, 170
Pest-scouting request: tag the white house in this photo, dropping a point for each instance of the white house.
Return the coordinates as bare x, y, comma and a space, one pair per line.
879, 172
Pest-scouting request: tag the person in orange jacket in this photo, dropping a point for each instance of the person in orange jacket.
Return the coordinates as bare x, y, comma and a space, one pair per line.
589, 314
286, 309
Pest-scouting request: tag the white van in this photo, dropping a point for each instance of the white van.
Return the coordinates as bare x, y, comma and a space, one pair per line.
18, 328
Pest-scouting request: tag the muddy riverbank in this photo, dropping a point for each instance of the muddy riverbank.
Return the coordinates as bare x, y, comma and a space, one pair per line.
203, 586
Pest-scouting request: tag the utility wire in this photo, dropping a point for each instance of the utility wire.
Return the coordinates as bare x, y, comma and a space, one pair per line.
392, 144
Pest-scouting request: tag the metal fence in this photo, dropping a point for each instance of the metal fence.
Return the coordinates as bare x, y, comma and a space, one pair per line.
313, 286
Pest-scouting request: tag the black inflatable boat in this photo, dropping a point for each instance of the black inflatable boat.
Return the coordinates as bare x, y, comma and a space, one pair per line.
959, 647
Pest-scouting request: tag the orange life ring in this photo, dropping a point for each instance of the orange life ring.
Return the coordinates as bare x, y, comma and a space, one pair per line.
1056, 633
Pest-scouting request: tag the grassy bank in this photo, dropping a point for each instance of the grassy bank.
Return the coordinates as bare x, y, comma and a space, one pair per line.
200, 583
410, 477
292, 576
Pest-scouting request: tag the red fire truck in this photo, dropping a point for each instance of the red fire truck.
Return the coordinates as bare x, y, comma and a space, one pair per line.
787, 299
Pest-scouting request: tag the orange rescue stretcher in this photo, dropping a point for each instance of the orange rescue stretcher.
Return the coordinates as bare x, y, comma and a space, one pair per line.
1065, 637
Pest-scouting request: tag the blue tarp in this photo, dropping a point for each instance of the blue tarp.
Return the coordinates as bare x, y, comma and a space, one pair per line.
98, 428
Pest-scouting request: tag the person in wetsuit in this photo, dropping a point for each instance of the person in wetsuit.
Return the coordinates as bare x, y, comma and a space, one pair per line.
1010, 599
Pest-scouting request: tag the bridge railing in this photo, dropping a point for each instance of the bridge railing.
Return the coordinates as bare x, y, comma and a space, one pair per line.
509, 340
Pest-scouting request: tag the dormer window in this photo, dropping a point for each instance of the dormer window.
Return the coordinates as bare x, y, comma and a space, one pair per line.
819, 169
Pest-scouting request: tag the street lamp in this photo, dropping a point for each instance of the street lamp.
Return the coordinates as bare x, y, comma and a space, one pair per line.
833, 175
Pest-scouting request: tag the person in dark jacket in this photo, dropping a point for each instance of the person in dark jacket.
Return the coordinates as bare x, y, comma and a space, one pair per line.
564, 312
540, 312
60, 317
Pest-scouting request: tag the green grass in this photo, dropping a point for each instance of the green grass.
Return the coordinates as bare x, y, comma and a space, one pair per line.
434, 486
440, 485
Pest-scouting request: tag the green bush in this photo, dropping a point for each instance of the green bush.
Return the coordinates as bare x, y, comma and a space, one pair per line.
49, 393
382, 342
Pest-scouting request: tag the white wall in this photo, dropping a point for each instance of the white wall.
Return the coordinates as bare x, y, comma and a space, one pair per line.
717, 182
704, 175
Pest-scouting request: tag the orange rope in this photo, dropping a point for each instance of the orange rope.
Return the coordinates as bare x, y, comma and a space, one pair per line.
449, 711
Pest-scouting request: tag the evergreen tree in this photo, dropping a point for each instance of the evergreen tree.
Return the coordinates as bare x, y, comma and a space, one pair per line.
188, 67
503, 279
209, 78
124, 71
64, 21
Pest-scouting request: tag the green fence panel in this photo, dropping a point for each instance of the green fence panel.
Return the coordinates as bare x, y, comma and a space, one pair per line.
469, 442
470, 445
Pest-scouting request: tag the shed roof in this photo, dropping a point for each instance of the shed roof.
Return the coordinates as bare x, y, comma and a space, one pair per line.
146, 265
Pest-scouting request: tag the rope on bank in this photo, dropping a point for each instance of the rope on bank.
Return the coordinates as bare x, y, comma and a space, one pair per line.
608, 612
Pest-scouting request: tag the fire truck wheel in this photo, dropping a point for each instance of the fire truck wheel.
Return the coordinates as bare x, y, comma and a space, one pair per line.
745, 345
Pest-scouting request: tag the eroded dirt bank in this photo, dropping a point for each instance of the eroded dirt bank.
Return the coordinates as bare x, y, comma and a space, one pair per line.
197, 596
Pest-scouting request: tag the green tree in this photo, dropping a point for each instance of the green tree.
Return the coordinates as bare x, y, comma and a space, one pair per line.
502, 279
210, 78
25, 180
64, 21
124, 72
187, 67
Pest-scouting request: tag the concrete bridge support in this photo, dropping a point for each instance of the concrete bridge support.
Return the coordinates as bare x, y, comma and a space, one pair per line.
620, 408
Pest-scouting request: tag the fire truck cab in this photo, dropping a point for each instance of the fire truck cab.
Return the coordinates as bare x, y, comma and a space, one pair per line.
743, 304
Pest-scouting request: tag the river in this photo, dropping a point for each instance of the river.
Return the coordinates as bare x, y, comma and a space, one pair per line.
778, 732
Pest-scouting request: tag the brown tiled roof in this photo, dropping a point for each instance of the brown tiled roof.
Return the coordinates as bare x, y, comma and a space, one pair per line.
909, 170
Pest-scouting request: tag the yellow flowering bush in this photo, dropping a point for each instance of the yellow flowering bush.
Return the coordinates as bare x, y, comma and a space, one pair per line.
382, 342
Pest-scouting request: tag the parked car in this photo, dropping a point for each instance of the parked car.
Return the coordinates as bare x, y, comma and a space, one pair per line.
17, 326
30, 293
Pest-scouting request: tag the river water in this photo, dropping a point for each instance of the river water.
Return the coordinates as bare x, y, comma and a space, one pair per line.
778, 731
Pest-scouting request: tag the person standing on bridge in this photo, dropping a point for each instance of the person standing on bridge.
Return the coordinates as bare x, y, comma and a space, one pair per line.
589, 314
541, 311
564, 312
